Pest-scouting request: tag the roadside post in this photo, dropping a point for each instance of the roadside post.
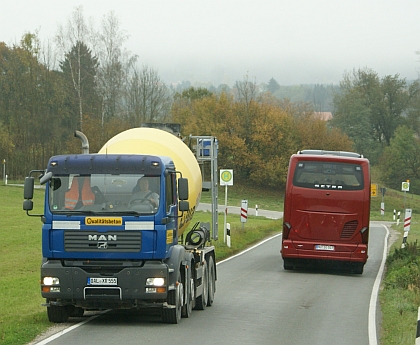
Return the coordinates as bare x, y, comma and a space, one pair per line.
226, 179
4, 171
398, 217
418, 327
383, 190
244, 212
228, 234
395, 212
407, 223
256, 210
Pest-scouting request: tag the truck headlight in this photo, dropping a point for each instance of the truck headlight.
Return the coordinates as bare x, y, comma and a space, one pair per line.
51, 281
155, 281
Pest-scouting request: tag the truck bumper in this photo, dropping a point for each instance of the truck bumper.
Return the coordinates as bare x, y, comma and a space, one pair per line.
104, 286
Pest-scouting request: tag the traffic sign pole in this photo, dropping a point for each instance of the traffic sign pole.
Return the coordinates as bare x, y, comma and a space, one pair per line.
226, 179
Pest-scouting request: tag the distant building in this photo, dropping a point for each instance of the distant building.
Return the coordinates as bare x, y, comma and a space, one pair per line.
323, 115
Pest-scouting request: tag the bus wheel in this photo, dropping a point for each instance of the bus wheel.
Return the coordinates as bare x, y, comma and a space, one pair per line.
288, 264
357, 267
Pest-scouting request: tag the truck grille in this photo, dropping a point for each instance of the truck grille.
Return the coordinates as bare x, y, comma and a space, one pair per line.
92, 241
349, 228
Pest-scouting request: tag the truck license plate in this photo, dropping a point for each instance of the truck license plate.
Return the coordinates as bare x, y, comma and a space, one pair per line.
102, 281
323, 247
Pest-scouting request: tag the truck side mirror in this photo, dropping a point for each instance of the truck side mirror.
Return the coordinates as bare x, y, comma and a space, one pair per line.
182, 188
184, 206
28, 205
28, 189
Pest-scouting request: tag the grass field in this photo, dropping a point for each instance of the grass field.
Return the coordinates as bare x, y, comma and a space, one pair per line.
22, 317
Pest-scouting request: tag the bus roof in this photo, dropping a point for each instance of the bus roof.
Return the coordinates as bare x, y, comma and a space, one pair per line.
334, 153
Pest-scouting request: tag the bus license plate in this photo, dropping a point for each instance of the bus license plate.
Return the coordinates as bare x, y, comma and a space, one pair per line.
323, 247
102, 281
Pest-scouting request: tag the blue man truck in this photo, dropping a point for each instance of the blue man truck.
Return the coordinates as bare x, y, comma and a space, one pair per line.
103, 250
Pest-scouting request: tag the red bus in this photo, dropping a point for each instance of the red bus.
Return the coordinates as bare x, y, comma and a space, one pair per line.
326, 210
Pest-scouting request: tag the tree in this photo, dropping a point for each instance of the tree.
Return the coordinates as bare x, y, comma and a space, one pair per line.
114, 66
79, 74
147, 97
193, 93
353, 119
30, 107
71, 41
369, 109
401, 160
273, 86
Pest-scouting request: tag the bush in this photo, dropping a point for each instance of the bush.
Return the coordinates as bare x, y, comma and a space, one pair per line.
404, 268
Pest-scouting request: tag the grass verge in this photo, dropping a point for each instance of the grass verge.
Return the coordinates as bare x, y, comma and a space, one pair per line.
400, 293
21, 315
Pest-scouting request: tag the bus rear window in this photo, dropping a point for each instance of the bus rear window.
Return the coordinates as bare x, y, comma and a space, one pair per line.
328, 175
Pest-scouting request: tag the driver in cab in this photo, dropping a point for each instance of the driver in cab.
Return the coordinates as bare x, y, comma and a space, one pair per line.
142, 194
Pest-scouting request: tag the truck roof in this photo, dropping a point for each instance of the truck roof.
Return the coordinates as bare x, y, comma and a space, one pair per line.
108, 163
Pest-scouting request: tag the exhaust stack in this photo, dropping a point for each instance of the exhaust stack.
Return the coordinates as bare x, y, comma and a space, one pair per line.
85, 141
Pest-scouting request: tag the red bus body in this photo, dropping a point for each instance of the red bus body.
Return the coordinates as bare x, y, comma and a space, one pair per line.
326, 209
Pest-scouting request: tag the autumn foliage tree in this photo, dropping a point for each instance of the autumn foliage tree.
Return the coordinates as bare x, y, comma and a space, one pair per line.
276, 134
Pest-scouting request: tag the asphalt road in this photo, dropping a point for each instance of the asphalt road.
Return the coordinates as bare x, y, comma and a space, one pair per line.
257, 302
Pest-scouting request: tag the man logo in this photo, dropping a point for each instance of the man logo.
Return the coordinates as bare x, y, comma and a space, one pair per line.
102, 237
102, 245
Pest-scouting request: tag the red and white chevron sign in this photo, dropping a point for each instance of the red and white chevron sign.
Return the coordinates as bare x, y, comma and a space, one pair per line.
244, 211
407, 219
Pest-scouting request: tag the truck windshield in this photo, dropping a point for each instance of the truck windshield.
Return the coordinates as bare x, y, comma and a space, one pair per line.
326, 175
104, 193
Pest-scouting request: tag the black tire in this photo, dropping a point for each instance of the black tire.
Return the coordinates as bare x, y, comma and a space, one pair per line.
357, 267
189, 303
288, 264
211, 281
175, 297
58, 314
201, 301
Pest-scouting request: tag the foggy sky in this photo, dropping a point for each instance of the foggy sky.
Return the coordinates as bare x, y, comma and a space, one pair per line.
221, 41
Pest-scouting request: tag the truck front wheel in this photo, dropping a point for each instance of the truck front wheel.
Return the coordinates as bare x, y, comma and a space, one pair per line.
175, 299
58, 314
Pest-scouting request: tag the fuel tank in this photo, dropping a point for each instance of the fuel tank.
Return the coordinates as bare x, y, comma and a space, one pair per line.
152, 141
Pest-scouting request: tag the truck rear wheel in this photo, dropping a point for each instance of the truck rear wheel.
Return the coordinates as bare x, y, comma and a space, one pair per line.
58, 314
189, 303
211, 282
201, 301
